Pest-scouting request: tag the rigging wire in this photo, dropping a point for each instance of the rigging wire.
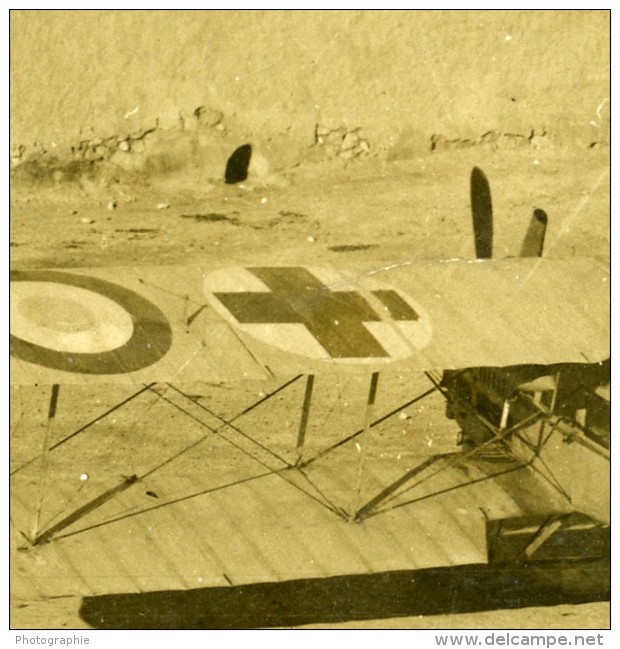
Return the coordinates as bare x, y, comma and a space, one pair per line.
325, 502
48, 449
459, 457
358, 432
88, 506
94, 421
161, 396
386, 510
229, 423
146, 510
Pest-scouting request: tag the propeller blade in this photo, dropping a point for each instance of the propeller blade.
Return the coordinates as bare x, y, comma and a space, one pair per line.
482, 214
535, 236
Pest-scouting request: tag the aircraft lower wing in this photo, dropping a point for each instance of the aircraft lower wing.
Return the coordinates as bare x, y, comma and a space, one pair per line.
142, 325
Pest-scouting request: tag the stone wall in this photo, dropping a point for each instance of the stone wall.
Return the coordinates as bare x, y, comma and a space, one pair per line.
93, 84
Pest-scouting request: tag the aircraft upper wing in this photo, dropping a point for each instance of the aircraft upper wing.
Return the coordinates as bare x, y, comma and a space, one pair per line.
139, 325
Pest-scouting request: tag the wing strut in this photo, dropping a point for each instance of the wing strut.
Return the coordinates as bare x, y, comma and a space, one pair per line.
303, 424
97, 419
51, 416
362, 445
376, 422
392, 493
90, 506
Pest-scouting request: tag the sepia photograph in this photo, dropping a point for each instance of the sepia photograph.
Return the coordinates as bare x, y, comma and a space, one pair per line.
310, 321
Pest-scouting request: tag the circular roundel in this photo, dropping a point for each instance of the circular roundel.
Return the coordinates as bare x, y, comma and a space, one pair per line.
83, 324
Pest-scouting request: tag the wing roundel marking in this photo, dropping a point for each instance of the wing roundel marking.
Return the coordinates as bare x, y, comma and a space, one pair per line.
83, 324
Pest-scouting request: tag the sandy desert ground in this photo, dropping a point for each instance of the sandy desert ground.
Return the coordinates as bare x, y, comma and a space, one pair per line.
365, 126
366, 211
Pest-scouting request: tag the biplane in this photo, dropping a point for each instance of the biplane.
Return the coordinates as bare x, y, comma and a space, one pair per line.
207, 510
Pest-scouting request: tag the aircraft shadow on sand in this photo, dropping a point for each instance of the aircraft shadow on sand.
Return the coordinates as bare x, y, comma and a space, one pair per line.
331, 600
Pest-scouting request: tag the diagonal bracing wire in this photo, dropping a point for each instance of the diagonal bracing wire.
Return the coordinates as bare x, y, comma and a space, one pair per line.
385, 510
86, 426
102, 498
229, 424
322, 499
47, 534
376, 422
456, 459
134, 479
549, 476
146, 510
515, 431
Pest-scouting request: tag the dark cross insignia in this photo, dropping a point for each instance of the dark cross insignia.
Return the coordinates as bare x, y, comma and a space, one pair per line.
335, 318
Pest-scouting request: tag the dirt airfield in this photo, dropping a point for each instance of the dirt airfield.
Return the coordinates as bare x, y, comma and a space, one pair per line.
368, 211
364, 127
